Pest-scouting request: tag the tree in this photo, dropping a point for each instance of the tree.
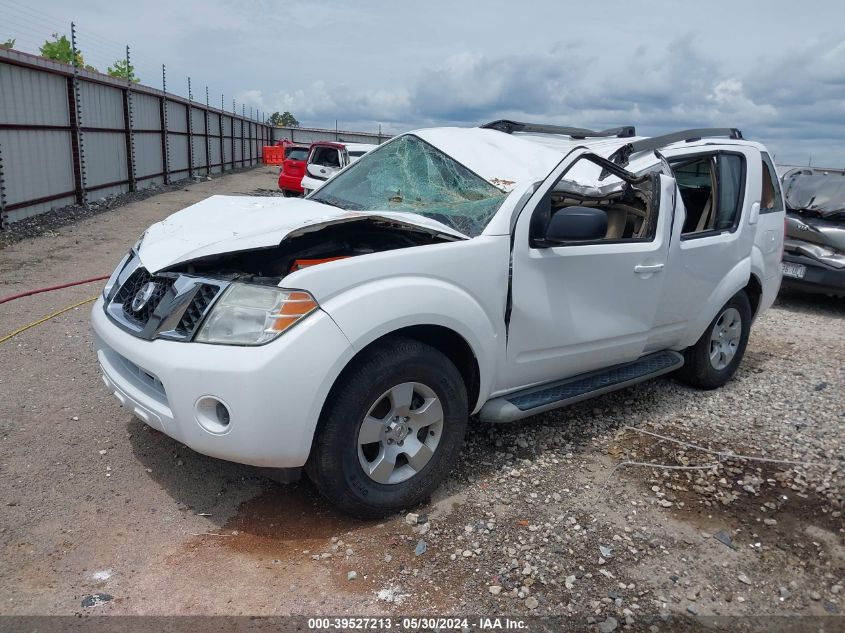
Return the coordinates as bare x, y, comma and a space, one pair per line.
9, 43
123, 70
59, 49
283, 120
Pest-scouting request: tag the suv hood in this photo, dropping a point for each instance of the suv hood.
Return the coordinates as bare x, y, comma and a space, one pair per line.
228, 224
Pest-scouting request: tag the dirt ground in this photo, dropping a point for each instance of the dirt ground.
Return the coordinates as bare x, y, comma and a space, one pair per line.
538, 518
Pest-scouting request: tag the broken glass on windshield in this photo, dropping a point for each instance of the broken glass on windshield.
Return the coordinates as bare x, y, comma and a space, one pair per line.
410, 175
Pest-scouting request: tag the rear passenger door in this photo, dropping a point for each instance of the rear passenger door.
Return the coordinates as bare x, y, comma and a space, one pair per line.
717, 186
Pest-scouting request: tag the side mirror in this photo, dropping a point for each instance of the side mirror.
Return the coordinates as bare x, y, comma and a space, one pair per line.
318, 171
576, 223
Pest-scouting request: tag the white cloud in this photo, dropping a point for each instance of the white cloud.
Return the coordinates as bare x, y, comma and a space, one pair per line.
778, 73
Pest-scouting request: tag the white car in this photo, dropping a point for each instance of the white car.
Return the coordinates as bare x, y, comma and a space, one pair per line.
325, 159
498, 272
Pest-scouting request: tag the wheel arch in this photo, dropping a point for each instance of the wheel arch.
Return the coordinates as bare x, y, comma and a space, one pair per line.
446, 340
754, 290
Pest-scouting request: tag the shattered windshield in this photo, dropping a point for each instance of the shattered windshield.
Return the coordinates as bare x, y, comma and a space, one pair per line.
409, 175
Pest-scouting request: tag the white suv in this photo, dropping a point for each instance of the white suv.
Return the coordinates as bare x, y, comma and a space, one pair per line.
498, 271
325, 159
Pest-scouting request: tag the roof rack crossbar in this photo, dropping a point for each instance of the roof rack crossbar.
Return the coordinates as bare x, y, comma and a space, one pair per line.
621, 156
509, 127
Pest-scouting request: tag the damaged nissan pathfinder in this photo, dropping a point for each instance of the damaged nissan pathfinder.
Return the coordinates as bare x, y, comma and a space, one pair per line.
499, 271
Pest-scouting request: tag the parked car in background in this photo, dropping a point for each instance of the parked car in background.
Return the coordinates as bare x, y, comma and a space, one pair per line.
814, 248
357, 150
293, 169
503, 271
327, 158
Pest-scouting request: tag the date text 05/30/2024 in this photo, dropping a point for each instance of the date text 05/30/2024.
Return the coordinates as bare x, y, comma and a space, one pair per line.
417, 624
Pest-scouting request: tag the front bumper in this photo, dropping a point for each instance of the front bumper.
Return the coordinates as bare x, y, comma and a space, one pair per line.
274, 392
818, 278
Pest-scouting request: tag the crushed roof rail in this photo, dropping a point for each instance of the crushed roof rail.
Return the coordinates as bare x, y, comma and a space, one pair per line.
621, 155
509, 127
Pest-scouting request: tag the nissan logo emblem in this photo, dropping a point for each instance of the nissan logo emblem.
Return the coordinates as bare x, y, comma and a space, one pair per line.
143, 295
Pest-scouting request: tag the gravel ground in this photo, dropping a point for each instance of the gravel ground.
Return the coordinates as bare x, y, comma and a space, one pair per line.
544, 517
46, 224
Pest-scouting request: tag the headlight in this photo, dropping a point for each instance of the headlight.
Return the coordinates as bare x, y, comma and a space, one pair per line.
113, 279
247, 314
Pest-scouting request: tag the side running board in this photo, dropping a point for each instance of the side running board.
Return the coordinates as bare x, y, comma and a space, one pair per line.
534, 400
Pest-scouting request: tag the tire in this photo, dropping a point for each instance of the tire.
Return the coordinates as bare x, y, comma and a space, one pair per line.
287, 193
369, 403
709, 363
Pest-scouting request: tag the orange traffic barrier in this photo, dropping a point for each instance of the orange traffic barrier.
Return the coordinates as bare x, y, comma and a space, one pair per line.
273, 155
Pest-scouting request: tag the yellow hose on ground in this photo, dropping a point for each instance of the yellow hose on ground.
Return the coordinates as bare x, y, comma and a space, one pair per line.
46, 318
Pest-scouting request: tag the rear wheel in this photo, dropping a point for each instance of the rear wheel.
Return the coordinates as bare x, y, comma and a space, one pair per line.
713, 360
391, 430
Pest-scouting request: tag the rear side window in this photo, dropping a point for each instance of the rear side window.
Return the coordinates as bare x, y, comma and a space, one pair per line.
770, 198
712, 188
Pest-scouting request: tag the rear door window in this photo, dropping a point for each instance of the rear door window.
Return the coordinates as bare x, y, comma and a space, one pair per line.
730, 173
712, 188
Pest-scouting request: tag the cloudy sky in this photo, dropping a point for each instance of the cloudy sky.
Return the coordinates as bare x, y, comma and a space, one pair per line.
773, 68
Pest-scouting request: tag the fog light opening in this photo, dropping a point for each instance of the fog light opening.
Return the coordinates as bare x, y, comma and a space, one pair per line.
222, 414
213, 415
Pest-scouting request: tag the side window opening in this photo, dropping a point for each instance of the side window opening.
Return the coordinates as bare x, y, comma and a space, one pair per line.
326, 157
711, 188
770, 198
630, 205
730, 177
628, 212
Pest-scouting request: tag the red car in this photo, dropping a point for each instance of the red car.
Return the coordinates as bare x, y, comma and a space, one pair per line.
293, 169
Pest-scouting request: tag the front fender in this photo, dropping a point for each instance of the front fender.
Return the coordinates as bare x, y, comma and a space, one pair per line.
736, 279
374, 309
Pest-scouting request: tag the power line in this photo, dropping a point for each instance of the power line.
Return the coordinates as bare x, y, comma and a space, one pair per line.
31, 28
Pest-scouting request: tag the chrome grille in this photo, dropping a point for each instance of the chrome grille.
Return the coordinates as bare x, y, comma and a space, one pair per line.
174, 308
196, 309
130, 289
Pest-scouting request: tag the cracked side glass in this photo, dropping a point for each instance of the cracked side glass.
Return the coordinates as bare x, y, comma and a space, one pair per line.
409, 175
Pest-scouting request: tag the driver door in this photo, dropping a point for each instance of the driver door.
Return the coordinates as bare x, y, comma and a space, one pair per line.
582, 306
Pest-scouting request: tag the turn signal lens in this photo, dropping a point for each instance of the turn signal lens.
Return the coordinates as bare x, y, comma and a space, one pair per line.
297, 305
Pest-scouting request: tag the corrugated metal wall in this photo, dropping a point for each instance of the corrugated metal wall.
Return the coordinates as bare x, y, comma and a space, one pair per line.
34, 161
307, 135
55, 151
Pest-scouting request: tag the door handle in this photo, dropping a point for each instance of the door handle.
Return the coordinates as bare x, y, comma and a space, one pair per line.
648, 268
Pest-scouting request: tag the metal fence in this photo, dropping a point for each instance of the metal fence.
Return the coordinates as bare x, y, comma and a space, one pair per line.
307, 135
68, 136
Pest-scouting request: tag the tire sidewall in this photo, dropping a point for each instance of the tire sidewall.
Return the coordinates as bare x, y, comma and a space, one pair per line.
706, 375
414, 362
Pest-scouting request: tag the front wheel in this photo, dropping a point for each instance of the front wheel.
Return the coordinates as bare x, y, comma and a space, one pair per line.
712, 361
391, 431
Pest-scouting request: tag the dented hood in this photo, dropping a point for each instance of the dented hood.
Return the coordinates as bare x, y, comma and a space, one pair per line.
227, 224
